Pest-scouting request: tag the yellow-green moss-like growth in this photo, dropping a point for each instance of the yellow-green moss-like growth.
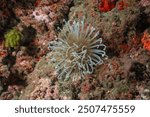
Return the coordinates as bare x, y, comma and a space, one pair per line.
13, 38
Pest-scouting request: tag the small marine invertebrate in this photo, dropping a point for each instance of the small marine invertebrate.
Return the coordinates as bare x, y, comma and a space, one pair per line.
77, 50
13, 38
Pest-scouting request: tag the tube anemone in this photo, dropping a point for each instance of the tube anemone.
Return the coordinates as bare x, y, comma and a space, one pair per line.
77, 50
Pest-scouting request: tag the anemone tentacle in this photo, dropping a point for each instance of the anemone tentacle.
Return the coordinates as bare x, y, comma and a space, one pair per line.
77, 50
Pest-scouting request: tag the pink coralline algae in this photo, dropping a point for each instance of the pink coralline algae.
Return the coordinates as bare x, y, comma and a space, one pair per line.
145, 3
40, 16
43, 14
44, 2
44, 91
